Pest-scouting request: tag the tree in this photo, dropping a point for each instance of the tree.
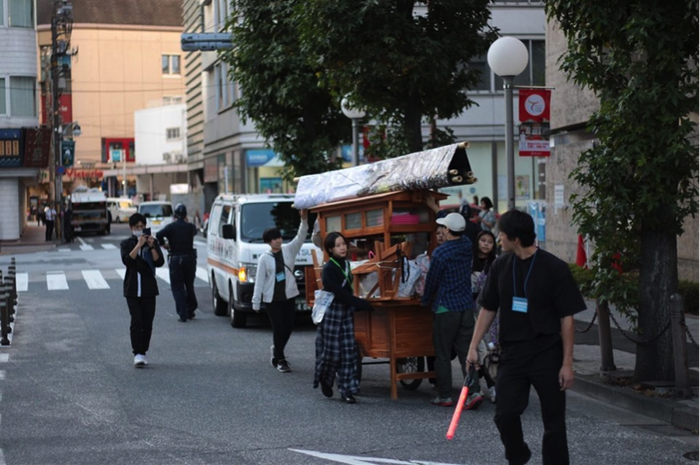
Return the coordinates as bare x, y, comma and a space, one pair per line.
402, 67
280, 89
641, 60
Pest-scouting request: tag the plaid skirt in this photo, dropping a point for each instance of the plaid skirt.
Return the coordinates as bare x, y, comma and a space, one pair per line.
336, 352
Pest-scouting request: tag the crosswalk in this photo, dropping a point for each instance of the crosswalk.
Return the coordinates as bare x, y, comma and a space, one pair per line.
92, 279
84, 246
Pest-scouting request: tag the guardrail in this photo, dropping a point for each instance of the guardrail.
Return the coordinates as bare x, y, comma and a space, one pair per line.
8, 301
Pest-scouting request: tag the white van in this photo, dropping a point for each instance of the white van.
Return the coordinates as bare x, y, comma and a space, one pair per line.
121, 209
234, 243
157, 214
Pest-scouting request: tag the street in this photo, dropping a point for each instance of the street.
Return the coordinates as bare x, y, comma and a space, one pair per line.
70, 394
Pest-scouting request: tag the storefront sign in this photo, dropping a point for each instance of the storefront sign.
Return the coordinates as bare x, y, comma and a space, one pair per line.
262, 157
72, 174
534, 122
37, 147
10, 148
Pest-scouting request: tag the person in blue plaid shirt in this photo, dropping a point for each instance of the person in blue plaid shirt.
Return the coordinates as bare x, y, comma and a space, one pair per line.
448, 290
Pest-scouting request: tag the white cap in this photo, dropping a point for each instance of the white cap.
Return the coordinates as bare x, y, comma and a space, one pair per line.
454, 222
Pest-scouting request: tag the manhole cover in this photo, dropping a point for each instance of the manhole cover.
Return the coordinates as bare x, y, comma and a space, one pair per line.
693, 455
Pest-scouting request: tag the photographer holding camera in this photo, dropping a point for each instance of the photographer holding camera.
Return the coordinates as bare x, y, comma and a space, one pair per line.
141, 255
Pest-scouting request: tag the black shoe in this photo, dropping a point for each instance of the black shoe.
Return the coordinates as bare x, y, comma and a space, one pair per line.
283, 366
182, 320
348, 398
326, 390
527, 457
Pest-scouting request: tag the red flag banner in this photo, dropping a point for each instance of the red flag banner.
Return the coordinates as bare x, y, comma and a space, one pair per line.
534, 122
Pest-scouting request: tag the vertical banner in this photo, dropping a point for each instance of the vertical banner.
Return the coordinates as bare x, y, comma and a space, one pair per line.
534, 122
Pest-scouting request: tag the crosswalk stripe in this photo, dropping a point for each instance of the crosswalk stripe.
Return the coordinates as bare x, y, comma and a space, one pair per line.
164, 274
22, 282
86, 247
109, 246
121, 272
202, 274
94, 279
56, 281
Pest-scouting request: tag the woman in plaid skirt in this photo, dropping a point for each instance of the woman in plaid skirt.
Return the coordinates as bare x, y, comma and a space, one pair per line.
336, 352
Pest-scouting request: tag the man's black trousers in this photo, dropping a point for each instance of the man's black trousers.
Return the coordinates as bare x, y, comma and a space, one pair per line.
183, 269
142, 310
281, 314
515, 376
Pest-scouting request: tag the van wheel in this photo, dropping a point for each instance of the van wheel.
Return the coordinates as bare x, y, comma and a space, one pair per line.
220, 306
238, 319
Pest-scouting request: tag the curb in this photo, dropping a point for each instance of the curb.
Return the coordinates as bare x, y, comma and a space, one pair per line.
667, 410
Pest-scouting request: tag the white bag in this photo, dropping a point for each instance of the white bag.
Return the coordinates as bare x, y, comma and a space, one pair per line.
322, 300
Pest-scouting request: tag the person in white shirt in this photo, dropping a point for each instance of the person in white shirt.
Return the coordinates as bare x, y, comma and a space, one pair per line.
49, 219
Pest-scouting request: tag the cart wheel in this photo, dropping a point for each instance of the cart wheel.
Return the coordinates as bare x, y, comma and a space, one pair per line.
410, 365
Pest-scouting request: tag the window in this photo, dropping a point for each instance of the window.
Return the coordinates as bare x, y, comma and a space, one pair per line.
221, 12
3, 97
225, 89
23, 96
21, 13
172, 133
534, 73
225, 214
480, 64
170, 64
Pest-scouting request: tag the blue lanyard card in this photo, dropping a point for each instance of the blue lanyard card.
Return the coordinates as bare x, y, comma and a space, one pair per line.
519, 304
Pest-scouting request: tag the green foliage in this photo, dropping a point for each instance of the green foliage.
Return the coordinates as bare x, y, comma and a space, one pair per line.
641, 60
280, 89
403, 68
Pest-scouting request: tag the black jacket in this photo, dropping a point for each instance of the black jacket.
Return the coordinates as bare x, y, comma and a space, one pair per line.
138, 266
180, 235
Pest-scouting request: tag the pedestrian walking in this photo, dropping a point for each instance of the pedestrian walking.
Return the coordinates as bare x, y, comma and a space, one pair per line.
336, 351
448, 292
141, 255
49, 219
537, 297
182, 262
487, 218
276, 286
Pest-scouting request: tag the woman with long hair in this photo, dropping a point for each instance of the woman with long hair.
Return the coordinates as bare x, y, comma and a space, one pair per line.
487, 218
336, 352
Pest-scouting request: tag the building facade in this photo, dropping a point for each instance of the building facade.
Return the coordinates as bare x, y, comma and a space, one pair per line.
122, 56
18, 110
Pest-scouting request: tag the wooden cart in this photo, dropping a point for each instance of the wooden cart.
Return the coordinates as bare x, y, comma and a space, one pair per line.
390, 228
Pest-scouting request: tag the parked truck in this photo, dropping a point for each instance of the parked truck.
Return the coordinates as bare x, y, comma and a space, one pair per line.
89, 211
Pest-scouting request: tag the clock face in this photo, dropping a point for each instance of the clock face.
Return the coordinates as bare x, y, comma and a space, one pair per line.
534, 104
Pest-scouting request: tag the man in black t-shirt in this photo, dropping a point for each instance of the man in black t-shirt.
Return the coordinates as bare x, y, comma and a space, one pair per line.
537, 297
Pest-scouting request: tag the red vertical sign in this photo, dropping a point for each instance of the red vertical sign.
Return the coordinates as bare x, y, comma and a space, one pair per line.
534, 122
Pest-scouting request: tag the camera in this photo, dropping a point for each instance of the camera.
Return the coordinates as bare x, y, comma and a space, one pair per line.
146, 231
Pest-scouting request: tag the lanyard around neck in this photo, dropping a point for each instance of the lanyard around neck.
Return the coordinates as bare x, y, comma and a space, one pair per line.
515, 292
347, 277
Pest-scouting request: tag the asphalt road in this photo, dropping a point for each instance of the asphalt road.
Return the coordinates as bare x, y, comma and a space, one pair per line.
70, 395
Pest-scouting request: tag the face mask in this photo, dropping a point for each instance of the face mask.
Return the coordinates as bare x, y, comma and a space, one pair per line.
138, 234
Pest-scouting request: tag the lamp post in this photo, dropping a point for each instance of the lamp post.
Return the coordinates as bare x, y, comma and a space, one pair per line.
355, 115
507, 58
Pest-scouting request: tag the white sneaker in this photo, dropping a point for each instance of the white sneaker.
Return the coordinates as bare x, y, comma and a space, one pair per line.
492, 394
140, 361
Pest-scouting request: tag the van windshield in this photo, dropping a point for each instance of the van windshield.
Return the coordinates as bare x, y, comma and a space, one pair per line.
156, 210
257, 217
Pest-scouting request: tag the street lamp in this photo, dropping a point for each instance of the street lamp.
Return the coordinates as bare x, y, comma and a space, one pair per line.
507, 58
355, 115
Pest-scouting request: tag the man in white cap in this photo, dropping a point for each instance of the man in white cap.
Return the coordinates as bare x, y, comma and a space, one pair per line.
448, 290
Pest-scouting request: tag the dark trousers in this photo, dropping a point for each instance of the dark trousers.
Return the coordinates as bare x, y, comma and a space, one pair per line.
452, 331
49, 229
515, 376
182, 274
142, 311
281, 314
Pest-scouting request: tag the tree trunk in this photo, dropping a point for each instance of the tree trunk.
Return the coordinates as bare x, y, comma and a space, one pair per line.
412, 124
658, 280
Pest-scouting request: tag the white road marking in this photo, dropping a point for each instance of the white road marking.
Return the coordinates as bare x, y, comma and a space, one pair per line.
109, 246
357, 460
56, 281
94, 279
4, 358
121, 272
86, 247
202, 274
164, 274
22, 282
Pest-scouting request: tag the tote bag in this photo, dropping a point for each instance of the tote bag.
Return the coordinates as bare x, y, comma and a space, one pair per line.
322, 300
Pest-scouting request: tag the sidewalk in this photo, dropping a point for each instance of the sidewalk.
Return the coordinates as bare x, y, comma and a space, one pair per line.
658, 404
31, 240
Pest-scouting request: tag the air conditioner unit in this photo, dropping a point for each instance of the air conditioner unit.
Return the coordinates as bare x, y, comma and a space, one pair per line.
180, 157
166, 157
